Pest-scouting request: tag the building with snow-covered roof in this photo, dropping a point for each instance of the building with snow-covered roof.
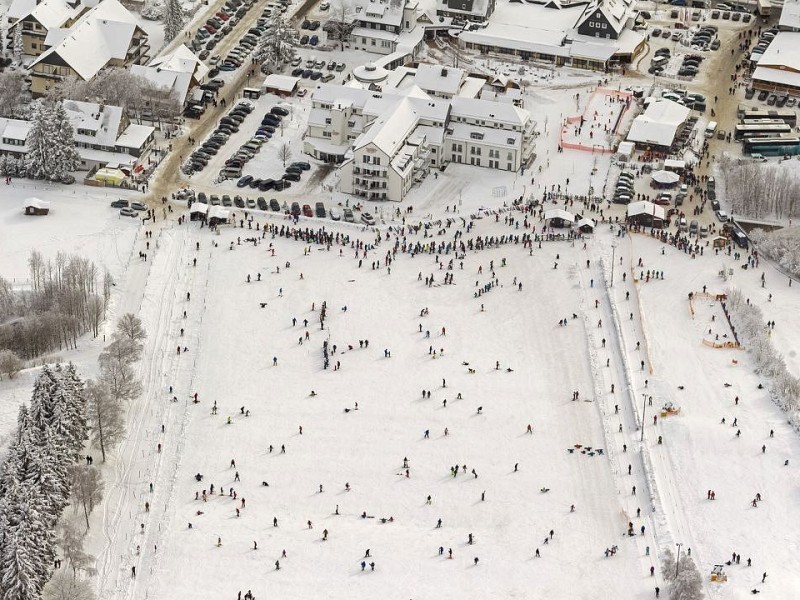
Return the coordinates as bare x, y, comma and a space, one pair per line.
38, 17
177, 73
658, 125
476, 11
438, 81
590, 36
105, 36
386, 26
790, 16
606, 18
387, 141
778, 68
103, 136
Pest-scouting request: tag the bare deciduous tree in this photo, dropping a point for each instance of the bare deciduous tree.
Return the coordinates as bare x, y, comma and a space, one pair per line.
130, 327
10, 364
64, 586
285, 152
87, 488
12, 86
70, 540
105, 417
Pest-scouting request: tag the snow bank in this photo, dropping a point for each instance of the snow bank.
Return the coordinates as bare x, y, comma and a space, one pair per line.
784, 388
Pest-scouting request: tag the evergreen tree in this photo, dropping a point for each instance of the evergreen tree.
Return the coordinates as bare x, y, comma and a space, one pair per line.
40, 142
75, 408
64, 156
173, 19
43, 398
21, 569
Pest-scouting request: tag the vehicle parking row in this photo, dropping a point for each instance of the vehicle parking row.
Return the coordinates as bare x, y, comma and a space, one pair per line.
228, 125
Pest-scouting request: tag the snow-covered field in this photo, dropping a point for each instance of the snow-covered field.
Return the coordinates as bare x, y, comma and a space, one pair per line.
232, 340
80, 222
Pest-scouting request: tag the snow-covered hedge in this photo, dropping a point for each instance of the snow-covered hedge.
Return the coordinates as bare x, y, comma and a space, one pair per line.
751, 327
781, 246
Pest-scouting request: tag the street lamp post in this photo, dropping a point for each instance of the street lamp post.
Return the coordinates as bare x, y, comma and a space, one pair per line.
678, 559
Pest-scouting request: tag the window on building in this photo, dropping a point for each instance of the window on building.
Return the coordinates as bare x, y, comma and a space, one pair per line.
326, 134
510, 141
476, 135
327, 121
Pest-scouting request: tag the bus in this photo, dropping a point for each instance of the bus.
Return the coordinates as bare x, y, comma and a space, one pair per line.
739, 236
788, 116
771, 128
783, 145
764, 8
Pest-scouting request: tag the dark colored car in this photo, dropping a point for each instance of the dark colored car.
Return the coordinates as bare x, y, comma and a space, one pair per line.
244, 181
291, 177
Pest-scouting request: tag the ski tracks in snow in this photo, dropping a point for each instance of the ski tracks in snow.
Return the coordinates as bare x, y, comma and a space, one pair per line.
137, 461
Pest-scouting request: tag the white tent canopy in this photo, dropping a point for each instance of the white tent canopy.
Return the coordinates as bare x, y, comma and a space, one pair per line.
644, 207
559, 213
199, 207
666, 177
585, 222
625, 149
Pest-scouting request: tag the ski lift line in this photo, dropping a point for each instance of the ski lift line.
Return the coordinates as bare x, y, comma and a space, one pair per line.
609, 435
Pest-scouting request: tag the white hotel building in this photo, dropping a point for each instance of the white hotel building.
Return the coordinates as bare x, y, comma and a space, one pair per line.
386, 141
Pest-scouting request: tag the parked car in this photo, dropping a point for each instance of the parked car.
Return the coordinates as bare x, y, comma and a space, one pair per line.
367, 218
295, 211
119, 203
348, 215
307, 212
274, 205
334, 214
319, 209
128, 212
244, 181
138, 206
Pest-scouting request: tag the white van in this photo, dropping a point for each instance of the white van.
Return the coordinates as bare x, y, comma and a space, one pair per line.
710, 129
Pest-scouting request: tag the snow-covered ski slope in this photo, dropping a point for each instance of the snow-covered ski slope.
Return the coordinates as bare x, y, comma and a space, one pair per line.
232, 340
